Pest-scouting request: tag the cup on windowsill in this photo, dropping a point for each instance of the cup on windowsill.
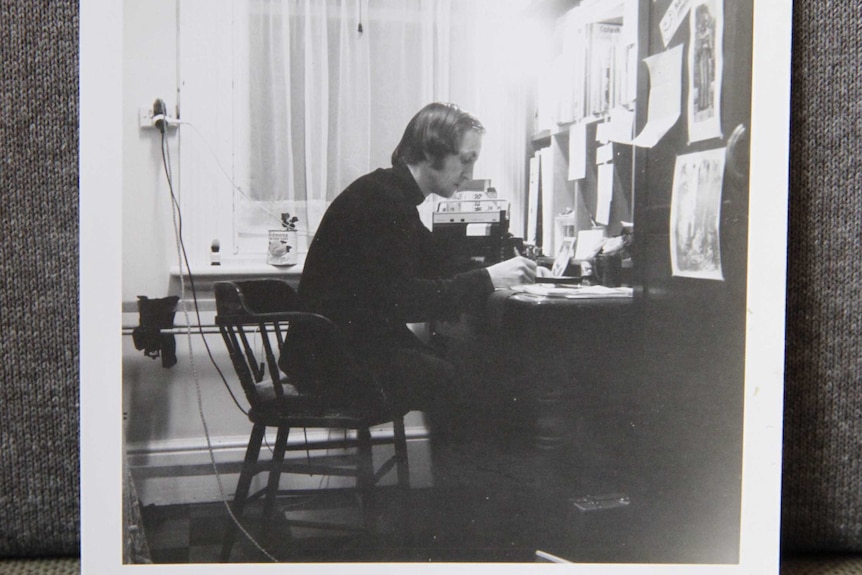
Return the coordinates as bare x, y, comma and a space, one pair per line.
281, 250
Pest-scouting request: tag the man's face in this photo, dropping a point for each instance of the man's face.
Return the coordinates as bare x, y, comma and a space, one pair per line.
457, 168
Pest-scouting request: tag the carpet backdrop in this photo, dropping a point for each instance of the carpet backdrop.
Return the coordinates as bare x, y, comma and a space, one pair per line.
822, 493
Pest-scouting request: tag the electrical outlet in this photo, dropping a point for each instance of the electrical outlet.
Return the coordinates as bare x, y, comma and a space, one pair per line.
145, 117
146, 122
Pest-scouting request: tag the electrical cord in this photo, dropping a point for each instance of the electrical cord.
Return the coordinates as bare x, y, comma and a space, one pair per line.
183, 257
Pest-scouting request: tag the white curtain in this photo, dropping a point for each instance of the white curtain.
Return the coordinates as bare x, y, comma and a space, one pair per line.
326, 102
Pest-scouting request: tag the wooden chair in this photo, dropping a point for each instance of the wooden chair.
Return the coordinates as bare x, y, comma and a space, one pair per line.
258, 319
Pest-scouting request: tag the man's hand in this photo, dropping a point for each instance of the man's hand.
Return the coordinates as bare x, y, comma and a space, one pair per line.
515, 271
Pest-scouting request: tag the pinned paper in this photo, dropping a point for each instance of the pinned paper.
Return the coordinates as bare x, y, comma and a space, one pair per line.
577, 151
605, 153
533, 200
546, 171
605, 193
672, 18
620, 125
665, 71
603, 133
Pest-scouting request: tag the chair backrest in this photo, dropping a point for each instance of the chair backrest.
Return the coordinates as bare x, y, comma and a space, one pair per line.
279, 350
253, 317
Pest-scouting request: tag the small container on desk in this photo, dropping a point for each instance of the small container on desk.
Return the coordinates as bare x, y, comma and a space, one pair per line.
608, 270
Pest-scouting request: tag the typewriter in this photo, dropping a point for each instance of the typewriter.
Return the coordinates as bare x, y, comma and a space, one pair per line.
474, 227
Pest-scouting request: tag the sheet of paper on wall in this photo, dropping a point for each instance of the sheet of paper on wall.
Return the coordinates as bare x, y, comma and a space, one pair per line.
621, 125
602, 133
605, 154
705, 63
673, 17
605, 193
533, 200
663, 111
546, 171
578, 151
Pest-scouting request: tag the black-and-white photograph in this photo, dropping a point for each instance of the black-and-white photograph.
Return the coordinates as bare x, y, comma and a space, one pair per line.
373, 306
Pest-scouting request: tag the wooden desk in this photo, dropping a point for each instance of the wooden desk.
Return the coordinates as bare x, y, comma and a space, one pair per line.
555, 357
509, 310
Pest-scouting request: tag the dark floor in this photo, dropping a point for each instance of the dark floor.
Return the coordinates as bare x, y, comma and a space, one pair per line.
501, 500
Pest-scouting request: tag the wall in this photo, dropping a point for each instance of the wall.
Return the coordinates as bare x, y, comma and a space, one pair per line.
156, 401
149, 72
699, 324
163, 413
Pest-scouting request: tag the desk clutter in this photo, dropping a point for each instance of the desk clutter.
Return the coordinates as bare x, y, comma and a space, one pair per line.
573, 291
474, 224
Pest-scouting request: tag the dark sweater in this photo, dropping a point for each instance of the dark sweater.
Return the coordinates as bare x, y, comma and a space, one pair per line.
373, 266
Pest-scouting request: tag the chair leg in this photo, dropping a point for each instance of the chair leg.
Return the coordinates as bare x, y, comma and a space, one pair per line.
401, 461
365, 478
248, 472
404, 508
275, 470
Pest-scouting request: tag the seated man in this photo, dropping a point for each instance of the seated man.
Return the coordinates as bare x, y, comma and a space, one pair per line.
373, 266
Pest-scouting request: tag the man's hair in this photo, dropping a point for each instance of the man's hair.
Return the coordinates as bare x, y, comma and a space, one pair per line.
433, 133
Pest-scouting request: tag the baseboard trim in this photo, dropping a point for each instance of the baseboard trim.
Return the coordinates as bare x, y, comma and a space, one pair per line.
181, 471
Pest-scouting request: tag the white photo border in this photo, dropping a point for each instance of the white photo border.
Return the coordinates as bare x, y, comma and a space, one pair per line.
100, 371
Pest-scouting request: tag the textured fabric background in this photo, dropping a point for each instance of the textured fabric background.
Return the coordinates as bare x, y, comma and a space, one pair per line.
49, 566
39, 463
822, 493
822, 508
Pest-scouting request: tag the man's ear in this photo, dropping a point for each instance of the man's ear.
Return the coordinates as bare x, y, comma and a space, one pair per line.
430, 162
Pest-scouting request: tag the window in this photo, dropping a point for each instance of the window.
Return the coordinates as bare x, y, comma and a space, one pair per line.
287, 102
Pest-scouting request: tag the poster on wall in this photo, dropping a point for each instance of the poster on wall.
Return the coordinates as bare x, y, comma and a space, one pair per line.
695, 213
705, 61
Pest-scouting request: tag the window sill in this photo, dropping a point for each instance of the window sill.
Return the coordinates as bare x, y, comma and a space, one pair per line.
204, 276
238, 268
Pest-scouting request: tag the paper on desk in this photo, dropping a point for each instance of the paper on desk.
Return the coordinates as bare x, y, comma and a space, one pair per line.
572, 291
